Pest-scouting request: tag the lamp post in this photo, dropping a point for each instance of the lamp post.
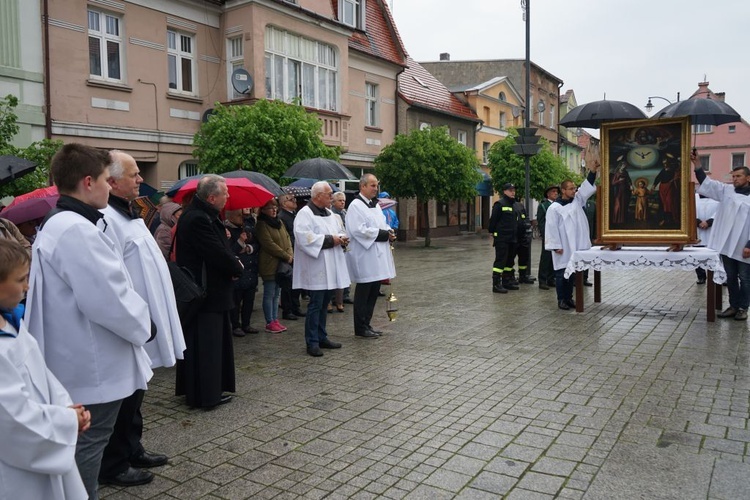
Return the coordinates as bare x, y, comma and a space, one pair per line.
649, 105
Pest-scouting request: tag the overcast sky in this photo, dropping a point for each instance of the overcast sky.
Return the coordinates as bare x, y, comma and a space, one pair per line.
628, 50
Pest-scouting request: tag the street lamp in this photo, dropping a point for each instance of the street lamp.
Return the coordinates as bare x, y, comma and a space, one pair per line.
649, 106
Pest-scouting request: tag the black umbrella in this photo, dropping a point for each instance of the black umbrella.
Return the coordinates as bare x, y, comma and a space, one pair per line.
177, 185
702, 111
321, 169
256, 178
593, 114
13, 167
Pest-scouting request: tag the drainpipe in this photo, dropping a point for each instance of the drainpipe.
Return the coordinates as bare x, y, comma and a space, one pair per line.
47, 77
156, 110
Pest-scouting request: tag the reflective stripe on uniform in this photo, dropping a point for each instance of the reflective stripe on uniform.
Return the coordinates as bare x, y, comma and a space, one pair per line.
507, 209
496, 270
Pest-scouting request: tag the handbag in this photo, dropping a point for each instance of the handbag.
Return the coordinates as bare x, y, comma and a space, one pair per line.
188, 294
284, 274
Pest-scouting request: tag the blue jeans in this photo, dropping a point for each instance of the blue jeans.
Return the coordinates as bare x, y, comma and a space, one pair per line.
91, 444
271, 292
563, 286
317, 314
738, 282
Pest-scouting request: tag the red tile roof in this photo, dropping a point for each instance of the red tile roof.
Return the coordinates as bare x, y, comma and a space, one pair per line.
380, 38
418, 87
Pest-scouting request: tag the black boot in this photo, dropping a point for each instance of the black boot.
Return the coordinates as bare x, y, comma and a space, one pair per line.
497, 283
525, 278
508, 282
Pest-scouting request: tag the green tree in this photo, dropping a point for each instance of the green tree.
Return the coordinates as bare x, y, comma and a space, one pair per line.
428, 164
40, 152
545, 168
267, 137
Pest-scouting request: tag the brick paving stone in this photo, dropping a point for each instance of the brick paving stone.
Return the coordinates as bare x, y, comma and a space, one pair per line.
486, 402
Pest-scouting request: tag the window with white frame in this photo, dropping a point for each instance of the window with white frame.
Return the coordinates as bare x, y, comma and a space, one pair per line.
352, 13
699, 128
552, 116
485, 151
105, 46
705, 161
732, 129
503, 119
181, 62
738, 160
188, 168
300, 69
235, 60
461, 136
371, 105
541, 113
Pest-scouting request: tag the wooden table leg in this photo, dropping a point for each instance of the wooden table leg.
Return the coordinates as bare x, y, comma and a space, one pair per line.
710, 297
597, 286
579, 291
719, 296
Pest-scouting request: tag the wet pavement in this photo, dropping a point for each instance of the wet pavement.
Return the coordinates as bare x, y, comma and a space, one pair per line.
471, 394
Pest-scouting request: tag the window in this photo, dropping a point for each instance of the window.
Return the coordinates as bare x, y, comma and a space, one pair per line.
501, 96
552, 116
188, 168
503, 119
235, 60
352, 13
298, 68
105, 46
461, 137
732, 128
486, 110
181, 62
702, 129
485, 151
705, 162
738, 160
541, 113
371, 103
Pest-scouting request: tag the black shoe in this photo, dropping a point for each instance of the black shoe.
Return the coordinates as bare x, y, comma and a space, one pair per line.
238, 332
289, 316
701, 281
571, 303
526, 281
348, 301
510, 286
377, 332
225, 398
498, 289
328, 344
563, 305
381, 294
543, 286
131, 477
250, 329
588, 283
367, 334
299, 313
146, 460
314, 350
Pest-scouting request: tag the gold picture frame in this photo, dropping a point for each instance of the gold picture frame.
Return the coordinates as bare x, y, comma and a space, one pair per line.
646, 195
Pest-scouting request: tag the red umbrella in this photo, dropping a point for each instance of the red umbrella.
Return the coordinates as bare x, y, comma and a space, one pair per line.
44, 192
30, 209
242, 193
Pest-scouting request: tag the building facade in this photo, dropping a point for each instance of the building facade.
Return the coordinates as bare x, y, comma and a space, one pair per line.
544, 87
140, 75
22, 66
425, 102
570, 151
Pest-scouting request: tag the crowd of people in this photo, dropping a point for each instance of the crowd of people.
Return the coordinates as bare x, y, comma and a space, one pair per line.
89, 309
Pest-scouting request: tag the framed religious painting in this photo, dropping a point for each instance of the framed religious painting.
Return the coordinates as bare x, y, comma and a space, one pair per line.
646, 195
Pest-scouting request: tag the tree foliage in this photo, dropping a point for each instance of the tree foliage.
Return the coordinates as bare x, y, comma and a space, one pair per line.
545, 168
428, 164
40, 152
267, 137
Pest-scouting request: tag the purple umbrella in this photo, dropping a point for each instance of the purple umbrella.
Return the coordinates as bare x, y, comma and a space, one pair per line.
31, 209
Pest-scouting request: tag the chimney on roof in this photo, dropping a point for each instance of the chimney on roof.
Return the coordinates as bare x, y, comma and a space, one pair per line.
720, 96
445, 56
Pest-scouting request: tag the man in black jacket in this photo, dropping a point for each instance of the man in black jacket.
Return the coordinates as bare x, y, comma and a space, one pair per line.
202, 247
289, 299
503, 227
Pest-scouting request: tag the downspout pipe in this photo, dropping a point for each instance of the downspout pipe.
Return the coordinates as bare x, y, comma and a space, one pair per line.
47, 76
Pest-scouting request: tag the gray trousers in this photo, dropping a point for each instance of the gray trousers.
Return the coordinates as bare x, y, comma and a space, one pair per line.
91, 443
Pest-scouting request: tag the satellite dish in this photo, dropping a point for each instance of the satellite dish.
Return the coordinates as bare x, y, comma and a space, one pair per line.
242, 81
207, 114
516, 111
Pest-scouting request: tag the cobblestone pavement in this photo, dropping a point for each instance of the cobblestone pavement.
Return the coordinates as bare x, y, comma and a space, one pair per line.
471, 394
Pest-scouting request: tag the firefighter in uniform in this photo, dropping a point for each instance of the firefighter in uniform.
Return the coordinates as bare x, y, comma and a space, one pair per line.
523, 246
504, 228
